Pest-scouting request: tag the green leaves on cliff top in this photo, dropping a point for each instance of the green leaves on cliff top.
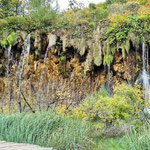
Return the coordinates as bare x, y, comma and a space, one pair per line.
9, 40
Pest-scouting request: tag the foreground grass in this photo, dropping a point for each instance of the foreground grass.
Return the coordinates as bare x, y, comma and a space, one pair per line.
135, 140
51, 130
45, 129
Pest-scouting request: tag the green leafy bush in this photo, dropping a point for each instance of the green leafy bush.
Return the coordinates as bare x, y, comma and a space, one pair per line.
9, 40
125, 105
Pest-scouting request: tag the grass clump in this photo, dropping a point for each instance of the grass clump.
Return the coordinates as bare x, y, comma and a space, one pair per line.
45, 129
138, 139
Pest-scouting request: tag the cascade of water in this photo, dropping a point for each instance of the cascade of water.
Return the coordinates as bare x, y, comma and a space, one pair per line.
8, 77
28, 47
42, 76
147, 62
109, 75
25, 54
43, 69
144, 55
9, 52
136, 56
28, 44
128, 68
145, 78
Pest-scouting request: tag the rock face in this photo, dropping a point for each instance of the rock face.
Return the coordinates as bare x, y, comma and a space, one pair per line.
60, 68
15, 146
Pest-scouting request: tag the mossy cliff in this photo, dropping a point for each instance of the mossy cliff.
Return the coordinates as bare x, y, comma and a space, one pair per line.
82, 45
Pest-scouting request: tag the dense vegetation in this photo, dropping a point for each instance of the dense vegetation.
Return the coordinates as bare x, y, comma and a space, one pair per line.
115, 24
75, 71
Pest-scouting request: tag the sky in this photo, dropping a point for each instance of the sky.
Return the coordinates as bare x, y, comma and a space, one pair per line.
64, 3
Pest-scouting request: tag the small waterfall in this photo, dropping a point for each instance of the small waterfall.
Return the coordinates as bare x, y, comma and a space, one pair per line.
8, 76
128, 69
42, 77
43, 69
147, 61
25, 55
144, 77
28, 45
144, 55
9, 53
109, 74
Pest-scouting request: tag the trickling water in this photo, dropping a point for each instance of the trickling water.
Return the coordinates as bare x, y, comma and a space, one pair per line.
28, 47
28, 44
9, 52
144, 55
25, 55
147, 61
109, 75
8, 77
144, 78
128, 69
146, 82
42, 76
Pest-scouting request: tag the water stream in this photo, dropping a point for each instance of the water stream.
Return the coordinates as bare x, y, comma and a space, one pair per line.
8, 76
109, 74
41, 77
144, 77
28, 48
25, 55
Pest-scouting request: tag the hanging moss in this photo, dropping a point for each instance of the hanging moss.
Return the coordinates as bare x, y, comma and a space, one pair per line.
134, 38
113, 49
127, 46
88, 62
108, 57
82, 47
97, 48
97, 54
52, 40
64, 40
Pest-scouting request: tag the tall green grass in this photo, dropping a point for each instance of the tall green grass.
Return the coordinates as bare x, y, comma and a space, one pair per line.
51, 130
138, 140
135, 140
45, 129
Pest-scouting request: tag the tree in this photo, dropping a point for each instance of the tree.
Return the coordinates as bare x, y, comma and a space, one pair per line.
42, 10
115, 1
9, 7
73, 4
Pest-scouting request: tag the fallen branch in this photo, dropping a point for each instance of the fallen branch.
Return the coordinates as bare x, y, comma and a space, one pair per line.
27, 101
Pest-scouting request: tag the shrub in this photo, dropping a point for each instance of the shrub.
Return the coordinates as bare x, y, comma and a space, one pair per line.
124, 106
142, 2
11, 38
115, 1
